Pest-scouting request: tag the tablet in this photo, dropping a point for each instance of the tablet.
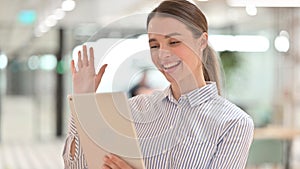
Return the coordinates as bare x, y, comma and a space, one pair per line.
104, 124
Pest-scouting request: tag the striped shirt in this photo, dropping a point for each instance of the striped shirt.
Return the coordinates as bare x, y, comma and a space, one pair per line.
199, 130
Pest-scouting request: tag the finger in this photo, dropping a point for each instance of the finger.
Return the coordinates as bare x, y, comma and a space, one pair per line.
73, 69
109, 163
119, 162
91, 56
85, 56
99, 75
105, 167
79, 61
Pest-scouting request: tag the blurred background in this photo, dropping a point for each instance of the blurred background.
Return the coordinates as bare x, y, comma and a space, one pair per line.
258, 42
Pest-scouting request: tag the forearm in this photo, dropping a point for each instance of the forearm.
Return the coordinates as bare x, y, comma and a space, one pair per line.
73, 155
72, 148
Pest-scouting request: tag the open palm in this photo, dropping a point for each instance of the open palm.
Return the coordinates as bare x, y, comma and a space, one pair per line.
85, 80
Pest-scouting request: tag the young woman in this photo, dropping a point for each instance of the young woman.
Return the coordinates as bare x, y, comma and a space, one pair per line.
188, 125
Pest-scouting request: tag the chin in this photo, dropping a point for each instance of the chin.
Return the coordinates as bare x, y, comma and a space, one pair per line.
167, 76
171, 78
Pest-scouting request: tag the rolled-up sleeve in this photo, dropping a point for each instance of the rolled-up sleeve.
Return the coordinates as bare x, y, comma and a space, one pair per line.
78, 161
232, 150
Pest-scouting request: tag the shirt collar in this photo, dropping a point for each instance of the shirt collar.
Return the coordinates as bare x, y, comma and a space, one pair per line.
167, 93
197, 96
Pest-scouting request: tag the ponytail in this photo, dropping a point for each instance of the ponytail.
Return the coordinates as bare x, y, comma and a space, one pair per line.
212, 67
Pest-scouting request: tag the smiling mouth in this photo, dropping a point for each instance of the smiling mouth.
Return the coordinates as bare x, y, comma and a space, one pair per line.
170, 65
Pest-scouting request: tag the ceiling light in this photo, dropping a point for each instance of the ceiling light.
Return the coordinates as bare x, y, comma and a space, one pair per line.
3, 61
265, 3
43, 28
240, 43
59, 14
251, 9
282, 43
48, 62
50, 21
68, 5
33, 62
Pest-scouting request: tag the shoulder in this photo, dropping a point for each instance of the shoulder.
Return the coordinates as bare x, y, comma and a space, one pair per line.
226, 117
228, 109
227, 114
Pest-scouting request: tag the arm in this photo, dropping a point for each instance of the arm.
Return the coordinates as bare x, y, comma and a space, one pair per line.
232, 150
73, 155
84, 81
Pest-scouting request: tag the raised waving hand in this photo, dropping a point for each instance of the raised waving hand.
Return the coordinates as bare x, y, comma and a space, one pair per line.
85, 80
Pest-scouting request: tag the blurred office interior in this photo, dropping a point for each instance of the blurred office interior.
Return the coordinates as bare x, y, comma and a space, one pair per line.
258, 42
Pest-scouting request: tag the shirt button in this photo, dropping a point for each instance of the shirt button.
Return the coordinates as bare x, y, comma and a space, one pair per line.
164, 151
171, 127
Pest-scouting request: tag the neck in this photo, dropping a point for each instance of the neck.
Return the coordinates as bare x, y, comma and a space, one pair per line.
186, 85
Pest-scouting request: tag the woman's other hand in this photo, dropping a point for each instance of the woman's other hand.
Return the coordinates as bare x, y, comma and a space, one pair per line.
85, 80
114, 162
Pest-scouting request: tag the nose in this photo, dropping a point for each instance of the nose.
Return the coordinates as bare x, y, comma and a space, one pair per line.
164, 53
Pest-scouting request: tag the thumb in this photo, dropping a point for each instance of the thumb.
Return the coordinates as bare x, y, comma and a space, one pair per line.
99, 75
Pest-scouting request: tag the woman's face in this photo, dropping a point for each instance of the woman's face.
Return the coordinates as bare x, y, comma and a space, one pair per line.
174, 50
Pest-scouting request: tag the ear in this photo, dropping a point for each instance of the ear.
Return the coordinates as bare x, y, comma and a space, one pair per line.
203, 41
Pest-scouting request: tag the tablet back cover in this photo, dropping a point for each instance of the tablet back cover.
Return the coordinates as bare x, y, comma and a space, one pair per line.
104, 124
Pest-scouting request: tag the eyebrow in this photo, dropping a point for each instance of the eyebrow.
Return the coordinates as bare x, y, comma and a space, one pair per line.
166, 36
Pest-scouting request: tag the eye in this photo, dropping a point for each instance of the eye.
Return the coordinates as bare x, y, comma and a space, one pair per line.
154, 46
174, 43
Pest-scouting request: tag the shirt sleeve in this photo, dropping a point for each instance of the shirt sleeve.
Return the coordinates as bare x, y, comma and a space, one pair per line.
78, 161
232, 150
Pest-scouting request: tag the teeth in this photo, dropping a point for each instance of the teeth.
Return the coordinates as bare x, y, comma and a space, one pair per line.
170, 65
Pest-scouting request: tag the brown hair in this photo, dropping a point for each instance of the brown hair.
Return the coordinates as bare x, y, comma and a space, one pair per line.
195, 20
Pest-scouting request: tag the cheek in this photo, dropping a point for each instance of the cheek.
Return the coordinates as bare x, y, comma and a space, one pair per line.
154, 58
187, 55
